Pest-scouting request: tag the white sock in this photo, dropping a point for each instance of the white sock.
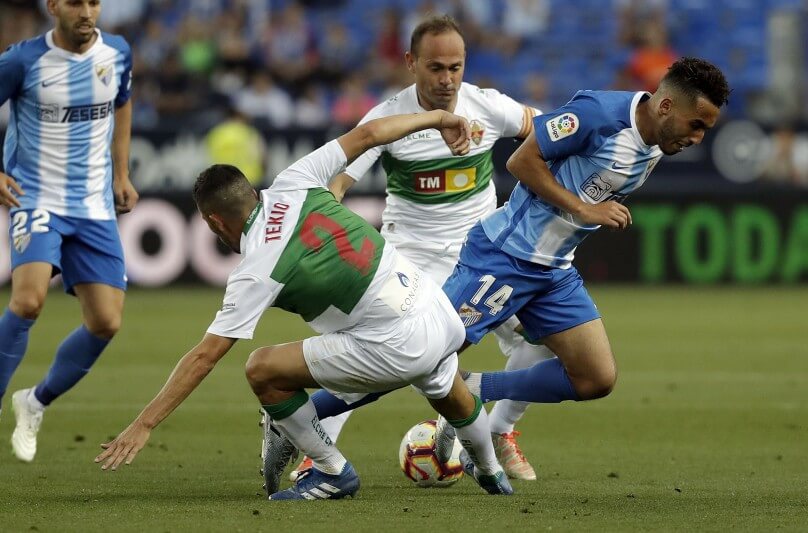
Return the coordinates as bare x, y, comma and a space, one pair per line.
334, 424
521, 354
33, 403
474, 383
303, 428
476, 439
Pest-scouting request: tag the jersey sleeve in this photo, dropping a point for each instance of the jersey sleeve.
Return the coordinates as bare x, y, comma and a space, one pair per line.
571, 129
245, 300
12, 72
514, 117
125, 90
314, 170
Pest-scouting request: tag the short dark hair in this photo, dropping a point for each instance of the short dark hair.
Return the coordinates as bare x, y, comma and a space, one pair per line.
222, 189
695, 77
433, 25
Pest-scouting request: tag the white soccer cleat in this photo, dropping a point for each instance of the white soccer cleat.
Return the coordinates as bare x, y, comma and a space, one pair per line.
23, 440
511, 458
445, 436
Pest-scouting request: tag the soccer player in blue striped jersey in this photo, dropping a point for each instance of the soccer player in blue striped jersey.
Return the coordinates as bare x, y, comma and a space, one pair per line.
65, 175
574, 171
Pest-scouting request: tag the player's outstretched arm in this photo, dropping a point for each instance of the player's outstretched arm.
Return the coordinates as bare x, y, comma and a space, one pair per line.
455, 131
125, 194
186, 376
528, 166
8, 188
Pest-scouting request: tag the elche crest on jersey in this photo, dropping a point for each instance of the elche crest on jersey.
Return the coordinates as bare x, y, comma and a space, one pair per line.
477, 131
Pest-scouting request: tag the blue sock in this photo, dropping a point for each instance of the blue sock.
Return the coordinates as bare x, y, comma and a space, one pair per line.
328, 405
74, 357
13, 342
545, 382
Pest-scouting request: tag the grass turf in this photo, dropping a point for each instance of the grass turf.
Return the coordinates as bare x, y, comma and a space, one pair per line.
706, 430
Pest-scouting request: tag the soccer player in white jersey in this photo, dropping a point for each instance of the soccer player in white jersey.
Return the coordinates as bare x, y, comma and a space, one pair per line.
382, 322
434, 198
574, 171
66, 173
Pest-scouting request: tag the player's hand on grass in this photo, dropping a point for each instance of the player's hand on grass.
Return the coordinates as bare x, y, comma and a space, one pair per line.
8, 188
124, 447
125, 195
610, 214
456, 132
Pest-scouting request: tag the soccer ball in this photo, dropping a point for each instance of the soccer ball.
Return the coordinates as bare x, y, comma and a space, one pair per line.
416, 455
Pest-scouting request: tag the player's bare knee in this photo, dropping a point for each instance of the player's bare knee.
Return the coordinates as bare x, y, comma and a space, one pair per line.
597, 384
104, 327
260, 368
27, 305
603, 386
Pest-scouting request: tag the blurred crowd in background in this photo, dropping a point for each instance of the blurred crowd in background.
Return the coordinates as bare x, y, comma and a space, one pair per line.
323, 63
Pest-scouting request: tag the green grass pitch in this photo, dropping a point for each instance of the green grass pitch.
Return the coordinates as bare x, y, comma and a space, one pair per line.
706, 430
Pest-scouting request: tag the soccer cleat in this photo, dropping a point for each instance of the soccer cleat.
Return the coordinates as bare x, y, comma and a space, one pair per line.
316, 485
304, 465
511, 458
445, 436
492, 483
276, 452
23, 440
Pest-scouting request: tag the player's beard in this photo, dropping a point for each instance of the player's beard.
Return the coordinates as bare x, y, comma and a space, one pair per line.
81, 35
667, 136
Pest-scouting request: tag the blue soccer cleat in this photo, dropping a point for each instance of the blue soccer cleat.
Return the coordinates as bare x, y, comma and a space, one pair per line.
316, 485
492, 483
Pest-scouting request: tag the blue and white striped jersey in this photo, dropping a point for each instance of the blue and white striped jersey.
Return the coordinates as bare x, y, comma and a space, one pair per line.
58, 139
594, 149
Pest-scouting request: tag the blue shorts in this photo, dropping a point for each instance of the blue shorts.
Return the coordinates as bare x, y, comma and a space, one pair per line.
489, 286
83, 250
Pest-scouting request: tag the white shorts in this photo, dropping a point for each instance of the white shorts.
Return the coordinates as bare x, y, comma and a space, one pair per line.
420, 350
438, 262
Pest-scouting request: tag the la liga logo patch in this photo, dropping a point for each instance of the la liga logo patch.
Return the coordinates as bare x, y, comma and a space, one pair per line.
562, 126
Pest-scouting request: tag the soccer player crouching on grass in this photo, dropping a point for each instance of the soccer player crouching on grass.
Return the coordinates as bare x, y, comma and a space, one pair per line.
382, 322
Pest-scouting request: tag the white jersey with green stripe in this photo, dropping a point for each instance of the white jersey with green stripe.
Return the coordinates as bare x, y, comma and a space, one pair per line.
306, 253
433, 196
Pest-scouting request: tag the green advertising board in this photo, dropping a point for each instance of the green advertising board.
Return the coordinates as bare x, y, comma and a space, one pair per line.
705, 240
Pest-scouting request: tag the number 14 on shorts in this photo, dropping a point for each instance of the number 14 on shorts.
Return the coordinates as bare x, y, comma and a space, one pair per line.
496, 301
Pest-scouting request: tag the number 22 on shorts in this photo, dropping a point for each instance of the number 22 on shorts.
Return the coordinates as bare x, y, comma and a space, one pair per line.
497, 300
39, 222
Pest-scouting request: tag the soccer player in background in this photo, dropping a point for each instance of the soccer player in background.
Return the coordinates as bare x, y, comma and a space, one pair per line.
382, 322
66, 173
434, 198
